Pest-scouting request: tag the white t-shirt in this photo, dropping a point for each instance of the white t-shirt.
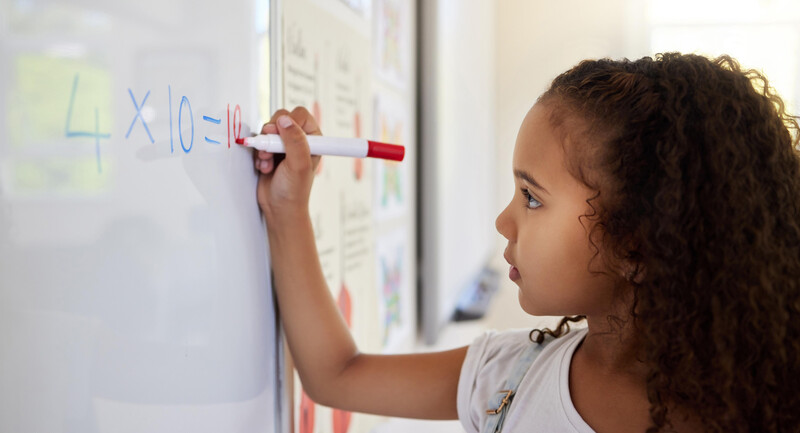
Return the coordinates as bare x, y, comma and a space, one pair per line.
542, 402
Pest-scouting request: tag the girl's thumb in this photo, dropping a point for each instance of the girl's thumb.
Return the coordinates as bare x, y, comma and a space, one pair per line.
298, 155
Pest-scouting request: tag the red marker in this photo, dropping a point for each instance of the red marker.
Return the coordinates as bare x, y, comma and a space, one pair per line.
322, 145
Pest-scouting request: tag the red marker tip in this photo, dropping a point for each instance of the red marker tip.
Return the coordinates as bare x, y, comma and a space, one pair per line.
240, 141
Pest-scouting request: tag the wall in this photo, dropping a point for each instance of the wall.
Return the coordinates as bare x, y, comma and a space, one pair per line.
457, 152
536, 41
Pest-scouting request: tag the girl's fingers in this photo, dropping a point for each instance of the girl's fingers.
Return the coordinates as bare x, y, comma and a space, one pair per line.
263, 161
264, 166
262, 155
269, 128
266, 162
306, 121
276, 115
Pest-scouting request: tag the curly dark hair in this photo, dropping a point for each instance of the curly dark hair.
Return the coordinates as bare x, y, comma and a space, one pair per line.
697, 166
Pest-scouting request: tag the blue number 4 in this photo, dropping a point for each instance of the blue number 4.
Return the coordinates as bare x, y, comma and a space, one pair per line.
96, 134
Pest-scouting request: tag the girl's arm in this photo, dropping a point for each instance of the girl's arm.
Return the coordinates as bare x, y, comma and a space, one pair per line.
332, 370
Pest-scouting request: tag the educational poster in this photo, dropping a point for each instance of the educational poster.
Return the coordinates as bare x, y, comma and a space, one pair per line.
358, 252
327, 69
303, 57
391, 177
350, 108
348, 76
393, 195
306, 58
301, 64
329, 66
357, 249
391, 41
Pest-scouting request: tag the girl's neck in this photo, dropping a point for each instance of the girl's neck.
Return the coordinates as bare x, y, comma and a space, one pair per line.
612, 346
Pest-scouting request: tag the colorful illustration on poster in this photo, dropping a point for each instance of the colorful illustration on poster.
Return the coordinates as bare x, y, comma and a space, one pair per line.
390, 176
394, 289
391, 271
392, 188
391, 60
391, 41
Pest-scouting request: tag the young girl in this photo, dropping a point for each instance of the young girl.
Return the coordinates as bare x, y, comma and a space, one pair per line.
659, 201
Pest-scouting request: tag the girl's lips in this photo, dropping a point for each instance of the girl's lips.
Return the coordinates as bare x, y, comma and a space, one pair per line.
513, 273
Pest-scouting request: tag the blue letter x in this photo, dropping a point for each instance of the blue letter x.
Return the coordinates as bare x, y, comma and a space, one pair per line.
139, 115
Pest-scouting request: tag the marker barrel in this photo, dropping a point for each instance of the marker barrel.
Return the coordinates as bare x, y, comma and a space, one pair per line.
336, 146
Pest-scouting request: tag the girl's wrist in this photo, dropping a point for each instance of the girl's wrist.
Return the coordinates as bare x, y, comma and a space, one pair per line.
287, 223
284, 214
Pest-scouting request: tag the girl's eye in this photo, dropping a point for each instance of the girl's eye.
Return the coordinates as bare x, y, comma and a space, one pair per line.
532, 203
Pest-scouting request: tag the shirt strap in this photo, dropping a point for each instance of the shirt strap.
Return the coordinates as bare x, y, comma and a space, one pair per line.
501, 400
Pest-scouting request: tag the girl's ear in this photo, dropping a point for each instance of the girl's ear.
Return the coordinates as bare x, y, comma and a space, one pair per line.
633, 272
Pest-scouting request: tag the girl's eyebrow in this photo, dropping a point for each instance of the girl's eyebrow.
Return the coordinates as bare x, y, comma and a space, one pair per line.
524, 175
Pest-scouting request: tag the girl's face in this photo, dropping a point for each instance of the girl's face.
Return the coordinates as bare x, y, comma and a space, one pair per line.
548, 246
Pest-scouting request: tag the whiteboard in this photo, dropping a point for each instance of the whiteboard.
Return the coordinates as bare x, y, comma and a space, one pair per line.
134, 271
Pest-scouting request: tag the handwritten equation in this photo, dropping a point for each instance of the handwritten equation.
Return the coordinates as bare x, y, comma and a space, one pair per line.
186, 143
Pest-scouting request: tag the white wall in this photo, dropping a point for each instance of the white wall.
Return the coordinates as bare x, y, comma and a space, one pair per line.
536, 40
457, 132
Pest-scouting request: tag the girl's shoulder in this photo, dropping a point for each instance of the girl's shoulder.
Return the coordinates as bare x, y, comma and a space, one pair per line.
489, 362
501, 349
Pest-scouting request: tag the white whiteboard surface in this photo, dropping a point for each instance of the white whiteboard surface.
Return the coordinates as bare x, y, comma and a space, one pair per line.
134, 271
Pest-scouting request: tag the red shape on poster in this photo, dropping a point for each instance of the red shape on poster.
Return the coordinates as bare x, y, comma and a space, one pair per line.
358, 168
345, 305
306, 413
341, 421
341, 418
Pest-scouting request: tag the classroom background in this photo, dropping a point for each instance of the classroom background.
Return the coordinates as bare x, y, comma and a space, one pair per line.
134, 290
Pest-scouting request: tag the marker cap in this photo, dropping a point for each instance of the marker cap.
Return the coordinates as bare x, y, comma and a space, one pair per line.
385, 151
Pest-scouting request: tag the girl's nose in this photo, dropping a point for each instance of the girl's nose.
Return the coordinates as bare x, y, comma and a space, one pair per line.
504, 224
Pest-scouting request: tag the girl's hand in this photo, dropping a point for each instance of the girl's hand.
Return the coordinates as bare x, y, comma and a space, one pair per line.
284, 182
